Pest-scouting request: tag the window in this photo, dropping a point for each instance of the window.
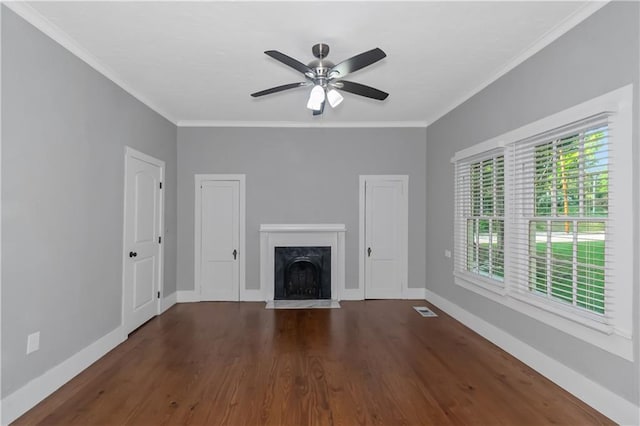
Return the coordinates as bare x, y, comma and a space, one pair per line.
480, 193
544, 220
561, 188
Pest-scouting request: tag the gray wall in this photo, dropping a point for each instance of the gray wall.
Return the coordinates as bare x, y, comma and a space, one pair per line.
301, 176
599, 55
63, 136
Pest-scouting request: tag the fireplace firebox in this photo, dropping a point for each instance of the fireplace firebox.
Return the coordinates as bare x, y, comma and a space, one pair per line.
302, 273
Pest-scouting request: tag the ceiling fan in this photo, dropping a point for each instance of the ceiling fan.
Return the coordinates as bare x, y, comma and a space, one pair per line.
326, 78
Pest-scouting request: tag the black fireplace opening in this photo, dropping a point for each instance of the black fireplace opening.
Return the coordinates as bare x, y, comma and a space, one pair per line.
302, 273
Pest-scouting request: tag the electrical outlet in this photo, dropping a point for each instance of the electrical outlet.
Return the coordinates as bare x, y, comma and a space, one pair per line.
33, 342
447, 253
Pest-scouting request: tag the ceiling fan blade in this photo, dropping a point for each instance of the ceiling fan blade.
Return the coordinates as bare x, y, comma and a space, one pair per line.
288, 60
278, 89
357, 62
361, 89
320, 111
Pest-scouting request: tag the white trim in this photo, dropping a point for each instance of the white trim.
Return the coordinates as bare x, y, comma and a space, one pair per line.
404, 231
303, 124
251, 295
361, 233
187, 296
636, 221
199, 179
614, 101
163, 241
132, 153
602, 399
169, 301
35, 18
546, 39
25, 398
414, 293
352, 294
569, 314
287, 227
1, 205
466, 278
485, 148
610, 101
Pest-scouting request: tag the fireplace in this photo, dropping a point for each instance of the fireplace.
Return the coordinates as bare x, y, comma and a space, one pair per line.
314, 258
302, 273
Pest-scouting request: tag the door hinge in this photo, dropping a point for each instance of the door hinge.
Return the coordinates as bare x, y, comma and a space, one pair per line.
159, 240
158, 295
160, 185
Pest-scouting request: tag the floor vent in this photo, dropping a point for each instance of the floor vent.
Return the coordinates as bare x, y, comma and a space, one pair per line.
424, 311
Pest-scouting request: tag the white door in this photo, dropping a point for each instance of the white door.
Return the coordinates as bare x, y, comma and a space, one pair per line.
142, 238
219, 263
385, 237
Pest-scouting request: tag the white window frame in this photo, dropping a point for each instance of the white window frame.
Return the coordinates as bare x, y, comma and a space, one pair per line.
616, 335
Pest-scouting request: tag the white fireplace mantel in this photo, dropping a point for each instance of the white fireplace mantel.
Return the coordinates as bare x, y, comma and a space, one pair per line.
323, 227
301, 235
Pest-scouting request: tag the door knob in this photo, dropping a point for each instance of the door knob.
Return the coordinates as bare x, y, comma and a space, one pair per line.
132, 254
369, 251
235, 254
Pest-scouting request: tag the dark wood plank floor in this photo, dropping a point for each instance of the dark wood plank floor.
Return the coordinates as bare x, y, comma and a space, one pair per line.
374, 362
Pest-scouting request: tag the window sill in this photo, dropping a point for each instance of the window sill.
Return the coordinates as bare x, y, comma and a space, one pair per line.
541, 304
496, 287
592, 332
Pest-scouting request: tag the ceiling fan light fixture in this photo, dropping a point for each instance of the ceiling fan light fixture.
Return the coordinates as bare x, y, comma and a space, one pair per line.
316, 98
334, 97
326, 77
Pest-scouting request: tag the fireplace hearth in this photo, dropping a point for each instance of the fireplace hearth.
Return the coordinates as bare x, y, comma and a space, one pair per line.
302, 273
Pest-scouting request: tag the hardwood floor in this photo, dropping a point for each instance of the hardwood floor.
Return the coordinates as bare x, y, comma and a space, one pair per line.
373, 362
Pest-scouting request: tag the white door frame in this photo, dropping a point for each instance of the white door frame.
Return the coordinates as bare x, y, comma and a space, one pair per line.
197, 230
404, 231
132, 153
1, 417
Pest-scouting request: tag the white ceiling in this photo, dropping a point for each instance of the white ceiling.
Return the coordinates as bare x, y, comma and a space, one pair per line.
197, 62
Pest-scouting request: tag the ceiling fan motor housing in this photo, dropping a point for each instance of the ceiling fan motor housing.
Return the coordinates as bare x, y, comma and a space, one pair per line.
320, 66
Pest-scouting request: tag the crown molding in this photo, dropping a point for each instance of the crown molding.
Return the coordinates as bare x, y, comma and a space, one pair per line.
32, 16
546, 39
302, 124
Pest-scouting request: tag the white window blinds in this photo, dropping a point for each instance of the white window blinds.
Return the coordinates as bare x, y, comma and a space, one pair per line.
560, 201
480, 207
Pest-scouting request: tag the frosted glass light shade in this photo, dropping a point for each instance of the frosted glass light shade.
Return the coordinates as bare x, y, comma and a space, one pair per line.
334, 97
316, 98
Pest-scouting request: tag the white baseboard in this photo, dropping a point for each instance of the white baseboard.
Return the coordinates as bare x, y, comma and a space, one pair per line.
247, 295
25, 398
351, 294
602, 399
358, 294
414, 293
168, 302
186, 296
251, 295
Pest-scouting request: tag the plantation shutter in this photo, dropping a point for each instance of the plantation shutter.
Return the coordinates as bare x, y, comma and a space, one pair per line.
479, 217
560, 201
